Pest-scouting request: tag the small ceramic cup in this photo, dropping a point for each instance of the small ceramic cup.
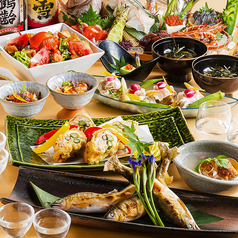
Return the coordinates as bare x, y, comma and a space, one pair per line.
3, 140
3, 159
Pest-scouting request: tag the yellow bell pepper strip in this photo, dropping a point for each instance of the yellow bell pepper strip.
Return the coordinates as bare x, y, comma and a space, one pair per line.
49, 143
19, 97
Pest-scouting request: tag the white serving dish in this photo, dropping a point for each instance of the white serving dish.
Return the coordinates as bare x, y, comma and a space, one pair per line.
42, 73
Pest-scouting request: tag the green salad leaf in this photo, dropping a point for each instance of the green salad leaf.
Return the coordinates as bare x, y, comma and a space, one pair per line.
23, 58
64, 49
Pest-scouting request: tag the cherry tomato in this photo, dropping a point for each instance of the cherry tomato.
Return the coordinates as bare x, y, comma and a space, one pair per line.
20, 42
78, 48
50, 43
101, 35
36, 40
89, 131
40, 58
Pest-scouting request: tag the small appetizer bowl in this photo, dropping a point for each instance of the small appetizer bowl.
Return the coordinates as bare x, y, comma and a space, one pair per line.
3, 159
112, 49
178, 70
213, 84
69, 100
24, 109
188, 159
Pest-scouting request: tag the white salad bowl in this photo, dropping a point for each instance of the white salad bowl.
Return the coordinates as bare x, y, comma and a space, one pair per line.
68, 100
42, 73
24, 109
188, 159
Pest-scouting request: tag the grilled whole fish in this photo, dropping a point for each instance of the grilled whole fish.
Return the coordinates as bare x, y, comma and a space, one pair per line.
89, 202
129, 209
164, 198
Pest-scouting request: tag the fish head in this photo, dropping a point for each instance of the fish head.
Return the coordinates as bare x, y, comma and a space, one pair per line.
60, 204
114, 214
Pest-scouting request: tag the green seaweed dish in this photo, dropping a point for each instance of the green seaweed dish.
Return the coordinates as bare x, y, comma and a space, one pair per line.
179, 53
221, 72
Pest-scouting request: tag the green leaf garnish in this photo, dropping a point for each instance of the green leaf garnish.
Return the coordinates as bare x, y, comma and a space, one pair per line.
221, 161
119, 64
135, 143
46, 199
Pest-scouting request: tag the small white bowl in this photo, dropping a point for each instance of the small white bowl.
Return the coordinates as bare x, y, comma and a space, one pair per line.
42, 73
3, 140
188, 158
72, 101
3, 159
23, 109
7, 76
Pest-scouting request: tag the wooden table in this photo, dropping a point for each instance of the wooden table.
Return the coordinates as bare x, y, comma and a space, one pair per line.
95, 109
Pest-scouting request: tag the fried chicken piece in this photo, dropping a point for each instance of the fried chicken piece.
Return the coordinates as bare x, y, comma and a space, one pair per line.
104, 143
68, 144
11, 49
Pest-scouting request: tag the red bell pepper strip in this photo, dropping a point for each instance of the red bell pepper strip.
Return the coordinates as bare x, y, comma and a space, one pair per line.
89, 131
47, 135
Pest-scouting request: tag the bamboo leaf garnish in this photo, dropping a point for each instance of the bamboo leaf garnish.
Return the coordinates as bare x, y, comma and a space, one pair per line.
135, 143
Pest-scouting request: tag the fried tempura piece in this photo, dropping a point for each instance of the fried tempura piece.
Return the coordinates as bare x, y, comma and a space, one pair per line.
82, 121
68, 144
104, 143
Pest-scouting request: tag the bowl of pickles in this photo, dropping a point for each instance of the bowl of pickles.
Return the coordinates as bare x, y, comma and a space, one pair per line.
216, 73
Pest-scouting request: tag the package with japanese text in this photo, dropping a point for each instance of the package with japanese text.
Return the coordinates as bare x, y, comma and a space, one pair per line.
13, 16
42, 12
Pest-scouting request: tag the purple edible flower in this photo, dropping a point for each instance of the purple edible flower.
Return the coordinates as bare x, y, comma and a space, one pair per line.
134, 163
151, 159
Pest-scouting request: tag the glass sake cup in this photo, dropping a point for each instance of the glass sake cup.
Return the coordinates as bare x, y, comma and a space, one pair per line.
52, 223
3, 140
16, 219
212, 121
232, 135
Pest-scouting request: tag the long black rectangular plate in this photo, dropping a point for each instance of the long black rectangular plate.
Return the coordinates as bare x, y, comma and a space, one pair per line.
62, 184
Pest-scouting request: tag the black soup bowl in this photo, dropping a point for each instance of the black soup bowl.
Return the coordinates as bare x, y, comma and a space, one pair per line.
112, 49
214, 84
178, 70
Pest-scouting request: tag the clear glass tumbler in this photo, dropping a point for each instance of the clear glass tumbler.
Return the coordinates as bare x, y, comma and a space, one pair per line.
16, 219
232, 135
53, 223
212, 121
